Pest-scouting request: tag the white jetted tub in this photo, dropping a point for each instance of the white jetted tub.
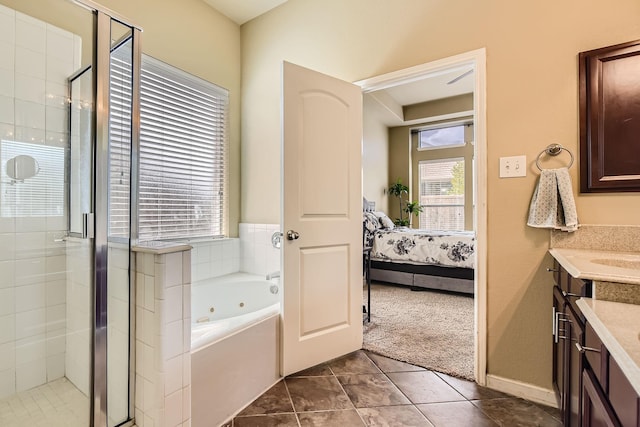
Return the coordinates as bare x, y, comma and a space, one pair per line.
234, 344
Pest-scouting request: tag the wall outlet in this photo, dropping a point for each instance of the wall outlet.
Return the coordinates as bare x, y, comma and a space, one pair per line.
514, 166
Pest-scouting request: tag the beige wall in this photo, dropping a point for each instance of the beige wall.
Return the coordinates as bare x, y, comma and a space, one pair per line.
531, 101
187, 34
375, 158
450, 105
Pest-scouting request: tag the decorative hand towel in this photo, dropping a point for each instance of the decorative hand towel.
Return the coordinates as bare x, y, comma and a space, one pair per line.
552, 204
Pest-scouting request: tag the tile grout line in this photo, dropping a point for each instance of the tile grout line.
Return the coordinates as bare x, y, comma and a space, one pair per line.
346, 394
398, 388
295, 412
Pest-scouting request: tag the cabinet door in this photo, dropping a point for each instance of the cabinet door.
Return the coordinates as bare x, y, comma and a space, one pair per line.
623, 397
597, 411
559, 336
574, 367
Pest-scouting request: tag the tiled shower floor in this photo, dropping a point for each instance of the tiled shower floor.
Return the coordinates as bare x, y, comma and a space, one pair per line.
55, 404
365, 389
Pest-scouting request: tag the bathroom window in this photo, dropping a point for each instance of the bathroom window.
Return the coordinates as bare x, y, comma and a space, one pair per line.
32, 183
183, 154
442, 194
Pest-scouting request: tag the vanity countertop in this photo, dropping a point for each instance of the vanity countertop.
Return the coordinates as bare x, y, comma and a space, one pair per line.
618, 326
608, 266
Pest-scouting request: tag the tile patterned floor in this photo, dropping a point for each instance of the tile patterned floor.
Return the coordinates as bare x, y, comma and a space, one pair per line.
365, 389
55, 404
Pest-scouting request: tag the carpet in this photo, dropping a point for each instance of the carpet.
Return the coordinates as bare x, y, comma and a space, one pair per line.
430, 329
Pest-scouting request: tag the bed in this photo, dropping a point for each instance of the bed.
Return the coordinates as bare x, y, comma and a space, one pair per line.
442, 260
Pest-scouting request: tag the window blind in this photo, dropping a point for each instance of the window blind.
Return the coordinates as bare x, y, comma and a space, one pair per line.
442, 194
120, 141
183, 155
41, 195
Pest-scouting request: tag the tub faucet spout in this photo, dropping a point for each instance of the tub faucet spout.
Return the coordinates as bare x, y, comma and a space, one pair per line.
273, 275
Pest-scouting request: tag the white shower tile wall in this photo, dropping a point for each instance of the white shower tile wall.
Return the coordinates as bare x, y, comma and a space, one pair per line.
215, 257
33, 266
163, 339
258, 255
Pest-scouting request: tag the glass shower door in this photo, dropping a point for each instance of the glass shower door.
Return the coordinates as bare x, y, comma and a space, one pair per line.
119, 283
101, 212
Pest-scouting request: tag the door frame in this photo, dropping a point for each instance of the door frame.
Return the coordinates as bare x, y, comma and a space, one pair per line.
477, 59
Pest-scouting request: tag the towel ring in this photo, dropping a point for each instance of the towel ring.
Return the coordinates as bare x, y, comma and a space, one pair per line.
553, 150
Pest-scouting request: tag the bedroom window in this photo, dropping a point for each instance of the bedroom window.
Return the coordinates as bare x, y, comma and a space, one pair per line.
183, 155
442, 194
441, 137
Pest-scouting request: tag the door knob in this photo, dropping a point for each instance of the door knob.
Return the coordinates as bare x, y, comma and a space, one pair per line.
292, 235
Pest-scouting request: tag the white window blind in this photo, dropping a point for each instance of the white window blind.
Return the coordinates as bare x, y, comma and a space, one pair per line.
40, 195
442, 194
120, 141
183, 154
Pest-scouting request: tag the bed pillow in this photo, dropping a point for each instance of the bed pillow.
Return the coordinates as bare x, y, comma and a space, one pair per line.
370, 221
385, 221
370, 224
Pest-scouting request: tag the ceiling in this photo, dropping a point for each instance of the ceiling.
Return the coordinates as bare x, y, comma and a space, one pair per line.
386, 104
241, 11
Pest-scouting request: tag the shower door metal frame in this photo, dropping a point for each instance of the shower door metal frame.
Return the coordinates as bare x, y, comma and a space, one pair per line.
101, 82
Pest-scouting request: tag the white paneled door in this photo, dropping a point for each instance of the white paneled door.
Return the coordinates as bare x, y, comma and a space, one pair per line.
322, 221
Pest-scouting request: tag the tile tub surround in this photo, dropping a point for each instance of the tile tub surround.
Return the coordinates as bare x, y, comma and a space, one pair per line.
251, 252
214, 258
618, 326
257, 254
163, 335
363, 388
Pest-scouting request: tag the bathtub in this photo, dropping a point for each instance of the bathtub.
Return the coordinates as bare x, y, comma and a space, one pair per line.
234, 344
224, 305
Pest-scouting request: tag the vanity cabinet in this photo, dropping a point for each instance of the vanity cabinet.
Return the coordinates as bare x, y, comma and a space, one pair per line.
591, 389
568, 329
608, 396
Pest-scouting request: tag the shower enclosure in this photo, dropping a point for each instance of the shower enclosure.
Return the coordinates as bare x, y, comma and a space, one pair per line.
67, 136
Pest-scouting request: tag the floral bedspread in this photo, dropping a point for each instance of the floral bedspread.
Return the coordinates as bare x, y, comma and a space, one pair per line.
448, 248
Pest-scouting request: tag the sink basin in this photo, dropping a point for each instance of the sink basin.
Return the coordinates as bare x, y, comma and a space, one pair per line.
620, 263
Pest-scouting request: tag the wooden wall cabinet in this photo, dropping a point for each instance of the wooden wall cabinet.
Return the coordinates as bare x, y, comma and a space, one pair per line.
610, 118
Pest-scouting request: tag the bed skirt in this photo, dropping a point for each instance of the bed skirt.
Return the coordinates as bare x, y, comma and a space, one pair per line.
453, 279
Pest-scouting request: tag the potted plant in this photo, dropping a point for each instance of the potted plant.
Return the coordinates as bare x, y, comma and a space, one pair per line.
398, 189
412, 208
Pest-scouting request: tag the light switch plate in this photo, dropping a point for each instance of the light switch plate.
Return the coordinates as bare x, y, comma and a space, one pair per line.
512, 167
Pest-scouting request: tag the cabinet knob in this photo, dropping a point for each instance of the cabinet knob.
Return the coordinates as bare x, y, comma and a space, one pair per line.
582, 349
551, 270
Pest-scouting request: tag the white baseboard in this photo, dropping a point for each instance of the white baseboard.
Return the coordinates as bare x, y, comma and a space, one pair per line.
524, 390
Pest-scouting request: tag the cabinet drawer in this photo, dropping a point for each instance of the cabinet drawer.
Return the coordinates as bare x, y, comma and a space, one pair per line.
560, 276
623, 397
579, 286
597, 361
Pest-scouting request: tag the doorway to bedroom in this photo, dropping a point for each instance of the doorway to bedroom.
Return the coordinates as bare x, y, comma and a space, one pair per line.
423, 162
